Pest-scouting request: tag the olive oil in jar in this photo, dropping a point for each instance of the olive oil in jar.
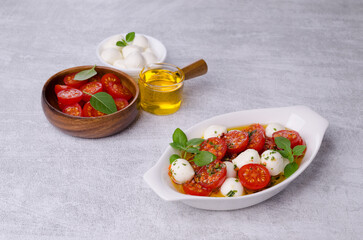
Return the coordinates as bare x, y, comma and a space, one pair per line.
161, 90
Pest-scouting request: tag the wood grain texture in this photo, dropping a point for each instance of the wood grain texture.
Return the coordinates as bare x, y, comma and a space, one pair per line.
196, 69
95, 127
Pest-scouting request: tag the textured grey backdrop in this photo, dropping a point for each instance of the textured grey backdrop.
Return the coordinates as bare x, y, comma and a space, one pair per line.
260, 54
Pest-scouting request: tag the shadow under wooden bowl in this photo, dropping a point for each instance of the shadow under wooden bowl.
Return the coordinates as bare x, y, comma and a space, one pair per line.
89, 127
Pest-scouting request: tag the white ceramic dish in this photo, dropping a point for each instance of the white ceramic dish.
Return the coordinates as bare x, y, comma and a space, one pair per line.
157, 47
308, 123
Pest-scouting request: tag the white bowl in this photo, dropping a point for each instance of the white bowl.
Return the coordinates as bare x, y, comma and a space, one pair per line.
308, 123
157, 47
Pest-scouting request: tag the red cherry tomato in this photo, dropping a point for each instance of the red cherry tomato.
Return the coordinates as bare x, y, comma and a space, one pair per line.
213, 175
269, 144
91, 88
257, 140
194, 188
121, 103
215, 145
69, 96
254, 176
96, 113
109, 77
87, 110
69, 81
293, 136
195, 167
96, 78
255, 126
74, 110
59, 88
117, 90
236, 141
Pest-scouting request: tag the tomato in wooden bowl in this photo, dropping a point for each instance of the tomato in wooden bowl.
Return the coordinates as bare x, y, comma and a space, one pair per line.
96, 125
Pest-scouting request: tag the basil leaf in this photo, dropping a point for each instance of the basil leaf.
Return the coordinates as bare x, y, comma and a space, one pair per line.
204, 158
180, 137
299, 150
103, 102
195, 141
284, 153
192, 150
85, 74
173, 158
130, 36
290, 169
176, 146
283, 143
121, 43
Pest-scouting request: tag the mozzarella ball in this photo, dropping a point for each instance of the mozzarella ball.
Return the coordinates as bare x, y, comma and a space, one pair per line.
110, 55
181, 171
231, 172
214, 131
140, 41
286, 161
120, 63
273, 161
246, 157
111, 43
232, 187
129, 49
148, 50
273, 127
135, 60
149, 57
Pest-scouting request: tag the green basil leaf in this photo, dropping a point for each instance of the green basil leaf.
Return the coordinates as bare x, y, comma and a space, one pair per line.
121, 43
103, 102
192, 150
130, 36
299, 150
290, 169
176, 146
195, 141
173, 158
284, 153
180, 137
204, 158
85, 74
283, 143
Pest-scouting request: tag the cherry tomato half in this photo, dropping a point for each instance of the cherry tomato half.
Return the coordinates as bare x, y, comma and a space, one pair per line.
74, 110
269, 144
254, 176
255, 126
257, 140
236, 141
117, 90
91, 88
96, 113
109, 77
121, 103
87, 110
215, 145
293, 136
58, 88
194, 188
95, 78
69, 81
213, 175
69, 96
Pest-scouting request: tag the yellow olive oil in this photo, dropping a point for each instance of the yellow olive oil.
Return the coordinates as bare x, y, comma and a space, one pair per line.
161, 91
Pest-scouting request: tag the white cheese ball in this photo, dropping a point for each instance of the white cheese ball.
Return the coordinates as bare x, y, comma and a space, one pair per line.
135, 60
149, 57
129, 49
110, 55
111, 43
120, 63
247, 157
232, 187
273, 127
148, 50
286, 161
140, 41
181, 171
214, 131
273, 161
231, 172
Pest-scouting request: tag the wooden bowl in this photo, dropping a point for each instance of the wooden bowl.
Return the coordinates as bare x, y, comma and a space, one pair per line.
93, 127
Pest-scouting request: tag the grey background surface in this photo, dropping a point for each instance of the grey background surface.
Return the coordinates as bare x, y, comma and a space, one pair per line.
260, 54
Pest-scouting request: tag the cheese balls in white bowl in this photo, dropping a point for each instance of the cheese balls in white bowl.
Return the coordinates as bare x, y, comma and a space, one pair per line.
132, 56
